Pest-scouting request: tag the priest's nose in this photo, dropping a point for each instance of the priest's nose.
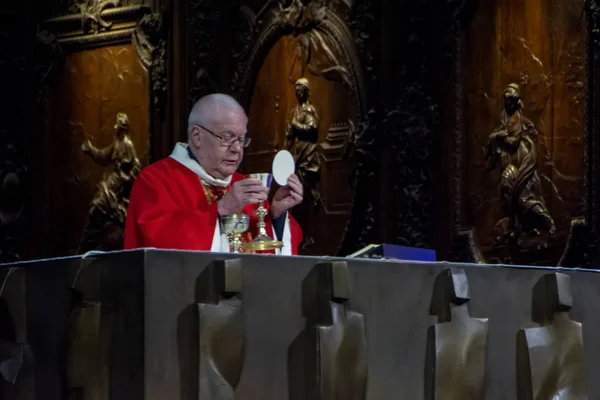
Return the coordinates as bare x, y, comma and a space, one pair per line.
236, 147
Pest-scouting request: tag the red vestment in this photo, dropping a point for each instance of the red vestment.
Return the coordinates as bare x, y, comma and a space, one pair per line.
171, 208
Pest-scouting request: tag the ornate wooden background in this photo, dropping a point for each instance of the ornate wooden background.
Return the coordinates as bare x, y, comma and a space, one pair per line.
415, 94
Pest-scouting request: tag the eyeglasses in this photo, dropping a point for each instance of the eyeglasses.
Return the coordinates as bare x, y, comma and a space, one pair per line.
228, 141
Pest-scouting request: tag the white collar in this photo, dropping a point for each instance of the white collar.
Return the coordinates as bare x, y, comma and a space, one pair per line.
181, 155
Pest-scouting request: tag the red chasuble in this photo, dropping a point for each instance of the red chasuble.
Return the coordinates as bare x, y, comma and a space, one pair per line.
171, 208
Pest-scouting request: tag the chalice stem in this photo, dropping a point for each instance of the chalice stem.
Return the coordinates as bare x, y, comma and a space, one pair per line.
261, 211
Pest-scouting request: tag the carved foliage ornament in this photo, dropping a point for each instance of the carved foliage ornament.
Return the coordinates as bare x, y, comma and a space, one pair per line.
593, 9
89, 23
149, 40
204, 18
91, 14
319, 31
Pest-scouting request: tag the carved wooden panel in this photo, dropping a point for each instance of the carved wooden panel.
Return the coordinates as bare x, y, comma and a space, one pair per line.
269, 115
93, 86
546, 57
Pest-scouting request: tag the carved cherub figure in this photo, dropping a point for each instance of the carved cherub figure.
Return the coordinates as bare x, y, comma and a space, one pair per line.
512, 146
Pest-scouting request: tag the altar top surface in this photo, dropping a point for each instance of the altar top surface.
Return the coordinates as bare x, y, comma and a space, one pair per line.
319, 258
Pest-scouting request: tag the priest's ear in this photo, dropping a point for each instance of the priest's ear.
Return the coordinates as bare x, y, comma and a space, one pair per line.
195, 135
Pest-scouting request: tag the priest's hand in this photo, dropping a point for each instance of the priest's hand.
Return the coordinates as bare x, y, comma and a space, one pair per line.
242, 193
287, 197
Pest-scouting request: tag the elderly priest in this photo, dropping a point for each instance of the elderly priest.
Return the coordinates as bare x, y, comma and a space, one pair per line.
176, 202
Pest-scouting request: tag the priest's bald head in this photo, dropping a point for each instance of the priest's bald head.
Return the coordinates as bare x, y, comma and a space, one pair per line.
217, 128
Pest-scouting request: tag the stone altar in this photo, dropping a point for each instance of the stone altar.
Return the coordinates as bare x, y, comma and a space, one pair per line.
149, 323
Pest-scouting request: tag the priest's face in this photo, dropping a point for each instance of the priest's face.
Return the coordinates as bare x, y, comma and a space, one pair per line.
219, 147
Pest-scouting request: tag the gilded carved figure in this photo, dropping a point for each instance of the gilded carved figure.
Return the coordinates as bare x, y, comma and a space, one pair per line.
512, 147
302, 136
109, 205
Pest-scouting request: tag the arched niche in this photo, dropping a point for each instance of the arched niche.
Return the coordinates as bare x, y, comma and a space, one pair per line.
264, 82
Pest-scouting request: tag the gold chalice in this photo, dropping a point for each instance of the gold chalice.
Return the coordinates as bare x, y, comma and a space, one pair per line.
234, 226
262, 242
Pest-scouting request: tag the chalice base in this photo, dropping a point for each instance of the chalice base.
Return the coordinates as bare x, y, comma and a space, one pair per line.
262, 243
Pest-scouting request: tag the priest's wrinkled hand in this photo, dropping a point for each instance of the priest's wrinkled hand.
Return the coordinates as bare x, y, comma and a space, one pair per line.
242, 193
287, 197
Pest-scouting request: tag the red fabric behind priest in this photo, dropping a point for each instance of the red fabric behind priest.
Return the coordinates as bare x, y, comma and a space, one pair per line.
175, 203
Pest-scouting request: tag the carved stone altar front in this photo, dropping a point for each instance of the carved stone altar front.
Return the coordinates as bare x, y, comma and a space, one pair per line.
456, 355
550, 358
221, 330
328, 360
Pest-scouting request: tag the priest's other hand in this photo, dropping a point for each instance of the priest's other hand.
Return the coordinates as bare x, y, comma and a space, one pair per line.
242, 193
287, 197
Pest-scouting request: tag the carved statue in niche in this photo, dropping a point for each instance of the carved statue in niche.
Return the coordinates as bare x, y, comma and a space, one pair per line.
550, 362
513, 146
318, 42
449, 374
108, 210
302, 134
